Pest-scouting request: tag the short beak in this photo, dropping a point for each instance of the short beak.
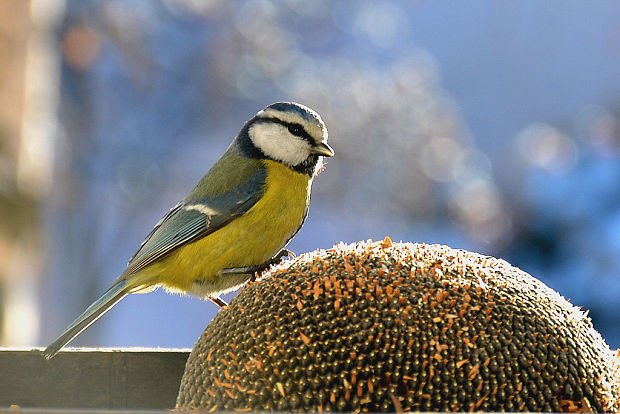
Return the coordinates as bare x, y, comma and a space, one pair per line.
323, 149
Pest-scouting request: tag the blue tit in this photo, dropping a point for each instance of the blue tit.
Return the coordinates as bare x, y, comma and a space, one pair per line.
236, 221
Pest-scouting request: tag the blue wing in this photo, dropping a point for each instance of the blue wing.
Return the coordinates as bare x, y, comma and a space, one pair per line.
192, 220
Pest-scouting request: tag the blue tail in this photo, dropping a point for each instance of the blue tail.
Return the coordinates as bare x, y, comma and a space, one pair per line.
110, 298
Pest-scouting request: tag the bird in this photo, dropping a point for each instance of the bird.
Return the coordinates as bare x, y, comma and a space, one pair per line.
234, 223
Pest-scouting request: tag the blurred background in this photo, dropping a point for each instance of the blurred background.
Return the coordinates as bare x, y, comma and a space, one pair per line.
490, 125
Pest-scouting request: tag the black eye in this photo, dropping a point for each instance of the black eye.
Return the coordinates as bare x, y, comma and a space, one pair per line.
296, 129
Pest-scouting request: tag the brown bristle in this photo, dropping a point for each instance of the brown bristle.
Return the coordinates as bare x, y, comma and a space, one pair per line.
398, 327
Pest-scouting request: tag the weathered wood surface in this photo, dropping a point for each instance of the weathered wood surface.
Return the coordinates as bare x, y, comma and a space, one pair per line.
88, 378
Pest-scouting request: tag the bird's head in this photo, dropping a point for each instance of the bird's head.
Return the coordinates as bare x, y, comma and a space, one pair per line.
289, 133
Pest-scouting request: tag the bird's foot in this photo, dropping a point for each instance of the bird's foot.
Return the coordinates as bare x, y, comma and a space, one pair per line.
281, 255
219, 302
253, 270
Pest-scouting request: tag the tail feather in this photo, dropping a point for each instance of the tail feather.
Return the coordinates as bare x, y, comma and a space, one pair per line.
111, 297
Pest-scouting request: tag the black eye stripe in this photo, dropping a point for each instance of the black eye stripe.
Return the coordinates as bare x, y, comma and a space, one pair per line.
294, 128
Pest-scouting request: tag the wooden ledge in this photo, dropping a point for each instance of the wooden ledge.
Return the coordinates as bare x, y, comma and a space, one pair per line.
87, 378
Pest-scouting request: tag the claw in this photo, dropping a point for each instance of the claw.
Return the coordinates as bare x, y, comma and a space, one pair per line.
252, 270
282, 254
219, 302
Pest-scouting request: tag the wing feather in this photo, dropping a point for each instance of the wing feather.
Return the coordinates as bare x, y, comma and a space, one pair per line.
191, 220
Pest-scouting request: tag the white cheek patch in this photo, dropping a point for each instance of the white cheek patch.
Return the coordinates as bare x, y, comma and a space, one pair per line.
316, 127
276, 142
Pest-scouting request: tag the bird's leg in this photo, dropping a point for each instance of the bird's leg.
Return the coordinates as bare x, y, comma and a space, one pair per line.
274, 260
280, 255
252, 270
219, 302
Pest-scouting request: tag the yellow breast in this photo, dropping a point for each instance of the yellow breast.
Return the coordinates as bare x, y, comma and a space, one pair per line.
248, 240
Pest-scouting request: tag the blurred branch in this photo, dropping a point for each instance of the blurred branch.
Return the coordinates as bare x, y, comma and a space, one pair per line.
27, 129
